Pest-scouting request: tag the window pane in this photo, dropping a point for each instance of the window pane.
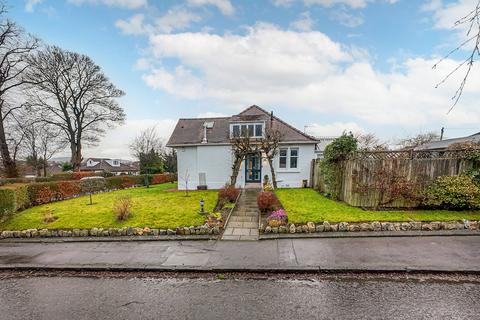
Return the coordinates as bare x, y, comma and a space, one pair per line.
244, 130
293, 162
294, 152
258, 130
283, 162
283, 158
236, 131
250, 130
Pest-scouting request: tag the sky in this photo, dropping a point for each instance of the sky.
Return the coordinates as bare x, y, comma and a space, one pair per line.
324, 66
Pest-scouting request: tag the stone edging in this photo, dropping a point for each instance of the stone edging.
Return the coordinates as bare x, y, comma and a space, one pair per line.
325, 226
109, 232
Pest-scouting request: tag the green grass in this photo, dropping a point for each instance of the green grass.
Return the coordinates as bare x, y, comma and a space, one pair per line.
154, 207
304, 205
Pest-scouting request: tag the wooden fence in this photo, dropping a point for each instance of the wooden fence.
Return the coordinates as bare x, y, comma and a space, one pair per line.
368, 179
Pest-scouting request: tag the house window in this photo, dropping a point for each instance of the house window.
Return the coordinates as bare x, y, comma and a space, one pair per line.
250, 130
244, 130
236, 130
253, 130
283, 158
288, 158
258, 130
293, 158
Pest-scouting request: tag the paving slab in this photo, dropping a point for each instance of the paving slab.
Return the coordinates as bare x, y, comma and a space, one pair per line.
430, 254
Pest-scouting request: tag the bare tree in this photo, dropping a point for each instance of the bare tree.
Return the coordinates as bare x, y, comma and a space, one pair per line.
41, 141
15, 46
415, 141
244, 145
472, 23
147, 140
74, 95
370, 142
269, 145
241, 147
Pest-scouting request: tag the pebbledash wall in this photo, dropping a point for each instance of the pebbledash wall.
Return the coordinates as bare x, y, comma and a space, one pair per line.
216, 162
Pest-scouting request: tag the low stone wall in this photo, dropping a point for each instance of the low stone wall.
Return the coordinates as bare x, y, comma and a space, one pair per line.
326, 226
110, 232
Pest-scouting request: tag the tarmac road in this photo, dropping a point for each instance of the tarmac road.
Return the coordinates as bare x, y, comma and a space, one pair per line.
206, 297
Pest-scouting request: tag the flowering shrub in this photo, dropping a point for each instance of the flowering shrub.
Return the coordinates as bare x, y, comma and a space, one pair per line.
267, 201
277, 218
228, 193
453, 192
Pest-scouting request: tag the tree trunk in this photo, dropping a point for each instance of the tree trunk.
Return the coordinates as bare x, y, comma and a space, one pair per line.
235, 170
9, 164
76, 158
272, 172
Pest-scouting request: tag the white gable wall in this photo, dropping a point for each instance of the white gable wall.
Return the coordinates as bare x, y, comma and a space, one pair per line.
216, 163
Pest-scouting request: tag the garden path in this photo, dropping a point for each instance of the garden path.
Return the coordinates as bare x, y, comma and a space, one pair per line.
243, 223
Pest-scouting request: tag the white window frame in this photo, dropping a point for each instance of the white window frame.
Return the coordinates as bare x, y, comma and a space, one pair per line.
247, 124
288, 157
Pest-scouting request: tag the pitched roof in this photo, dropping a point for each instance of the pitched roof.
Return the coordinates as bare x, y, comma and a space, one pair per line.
190, 131
105, 166
444, 144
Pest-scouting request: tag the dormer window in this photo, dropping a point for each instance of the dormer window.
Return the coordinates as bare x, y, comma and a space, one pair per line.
116, 162
252, 130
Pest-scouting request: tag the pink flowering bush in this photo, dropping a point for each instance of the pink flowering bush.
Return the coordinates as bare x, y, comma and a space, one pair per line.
277, 218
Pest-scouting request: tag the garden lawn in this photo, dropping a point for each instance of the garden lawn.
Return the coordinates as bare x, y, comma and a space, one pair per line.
156, 207
304, 205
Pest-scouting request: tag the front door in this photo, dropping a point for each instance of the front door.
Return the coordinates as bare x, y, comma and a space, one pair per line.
253, 168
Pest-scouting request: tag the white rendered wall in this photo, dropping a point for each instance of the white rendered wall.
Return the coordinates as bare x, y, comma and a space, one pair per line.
216, 163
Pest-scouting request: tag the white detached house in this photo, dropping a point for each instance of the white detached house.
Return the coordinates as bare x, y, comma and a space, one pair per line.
204, 151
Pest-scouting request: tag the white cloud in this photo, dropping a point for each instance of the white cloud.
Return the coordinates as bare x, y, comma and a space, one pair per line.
115, 143
304, 23
143, 64
129, 4
211, 114
349, 3
133, 26
283, 3
333, 129
347, 19
307, 71
225, 6
176, 18
30, 5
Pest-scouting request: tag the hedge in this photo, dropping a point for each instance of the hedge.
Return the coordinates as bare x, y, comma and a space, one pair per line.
16, 197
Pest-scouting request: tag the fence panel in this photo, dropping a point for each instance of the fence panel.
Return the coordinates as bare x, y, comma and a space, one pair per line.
364, 177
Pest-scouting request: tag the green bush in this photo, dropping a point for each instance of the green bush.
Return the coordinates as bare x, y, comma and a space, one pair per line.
453, 192
92, 185
14, 198
335, 152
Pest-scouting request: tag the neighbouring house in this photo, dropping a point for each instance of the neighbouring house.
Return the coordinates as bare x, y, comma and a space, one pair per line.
447, 143
205, 159
113, 166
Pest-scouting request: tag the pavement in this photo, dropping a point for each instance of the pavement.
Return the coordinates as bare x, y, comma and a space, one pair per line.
85, 297
435, 254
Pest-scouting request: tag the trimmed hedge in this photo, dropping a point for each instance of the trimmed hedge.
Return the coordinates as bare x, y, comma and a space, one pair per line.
16, 197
